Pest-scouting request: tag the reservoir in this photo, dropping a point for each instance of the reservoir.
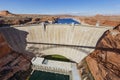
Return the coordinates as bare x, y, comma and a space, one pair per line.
67, 21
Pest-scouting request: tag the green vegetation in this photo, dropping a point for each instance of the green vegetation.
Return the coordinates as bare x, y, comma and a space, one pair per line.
40, 75
57, 58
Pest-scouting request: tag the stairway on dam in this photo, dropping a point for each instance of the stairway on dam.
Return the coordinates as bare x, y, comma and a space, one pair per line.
73, 42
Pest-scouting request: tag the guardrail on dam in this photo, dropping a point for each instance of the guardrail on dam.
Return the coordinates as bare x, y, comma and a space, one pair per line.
73, 42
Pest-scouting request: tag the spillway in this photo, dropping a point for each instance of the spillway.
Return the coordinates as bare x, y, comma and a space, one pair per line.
73, 42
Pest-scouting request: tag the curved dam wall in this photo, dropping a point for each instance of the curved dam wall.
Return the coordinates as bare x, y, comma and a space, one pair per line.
73, 42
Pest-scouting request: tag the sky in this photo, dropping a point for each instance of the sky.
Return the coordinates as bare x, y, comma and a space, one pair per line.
80, 7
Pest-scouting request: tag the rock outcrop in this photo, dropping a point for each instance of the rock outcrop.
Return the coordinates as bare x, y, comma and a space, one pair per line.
104, 62
8, 19
6, 13
4, 47
11, 62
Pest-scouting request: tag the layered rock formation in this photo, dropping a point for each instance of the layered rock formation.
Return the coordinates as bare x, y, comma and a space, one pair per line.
7, 19
104, 62
4, 47
103, 20
6, 13
11, 62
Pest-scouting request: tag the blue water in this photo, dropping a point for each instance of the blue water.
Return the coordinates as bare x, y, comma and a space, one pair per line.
67, 21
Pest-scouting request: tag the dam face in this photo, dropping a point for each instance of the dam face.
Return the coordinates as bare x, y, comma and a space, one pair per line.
73, 42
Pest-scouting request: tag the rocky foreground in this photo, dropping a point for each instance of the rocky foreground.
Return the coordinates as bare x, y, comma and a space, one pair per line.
104, 62
13, 64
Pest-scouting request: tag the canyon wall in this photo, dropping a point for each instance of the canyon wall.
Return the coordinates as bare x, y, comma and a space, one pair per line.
11, 62
4, 47
104, 62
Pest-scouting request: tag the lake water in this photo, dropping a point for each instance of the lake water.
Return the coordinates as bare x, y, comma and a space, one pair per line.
67, 21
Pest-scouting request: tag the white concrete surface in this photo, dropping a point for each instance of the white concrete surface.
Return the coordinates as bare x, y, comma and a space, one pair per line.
75, 73
52, 66
37, 61
54, 34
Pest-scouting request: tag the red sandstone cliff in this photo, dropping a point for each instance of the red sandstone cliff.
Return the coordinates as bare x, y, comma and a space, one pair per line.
104, 62
4, 47
6, 13
11, 62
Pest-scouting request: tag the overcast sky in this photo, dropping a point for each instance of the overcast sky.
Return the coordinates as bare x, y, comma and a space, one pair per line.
61, 6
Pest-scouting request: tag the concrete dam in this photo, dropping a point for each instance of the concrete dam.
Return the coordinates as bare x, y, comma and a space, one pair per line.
73, 42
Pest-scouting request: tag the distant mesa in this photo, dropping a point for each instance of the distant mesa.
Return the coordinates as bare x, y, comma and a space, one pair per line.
6, 13
8, 18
